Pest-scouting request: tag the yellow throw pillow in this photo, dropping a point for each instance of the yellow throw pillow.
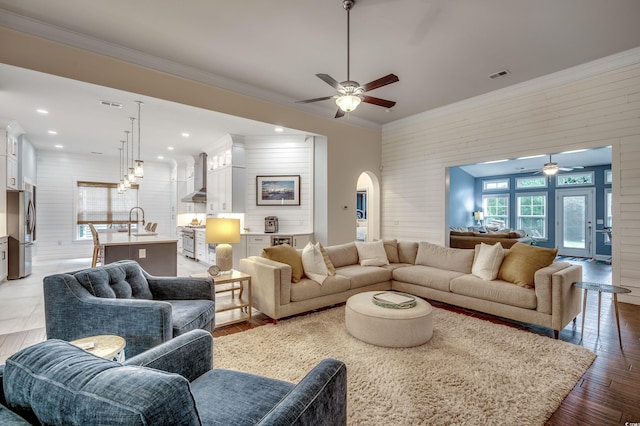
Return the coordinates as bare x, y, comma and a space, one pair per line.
521, 263
286, 254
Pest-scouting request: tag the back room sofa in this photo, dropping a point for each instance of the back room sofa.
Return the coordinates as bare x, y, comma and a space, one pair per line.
523, 283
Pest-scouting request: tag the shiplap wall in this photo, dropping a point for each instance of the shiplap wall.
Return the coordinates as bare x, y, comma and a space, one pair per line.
602, 108
280, 155
58, 173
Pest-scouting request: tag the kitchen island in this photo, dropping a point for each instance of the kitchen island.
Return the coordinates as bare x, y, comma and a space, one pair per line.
155, 253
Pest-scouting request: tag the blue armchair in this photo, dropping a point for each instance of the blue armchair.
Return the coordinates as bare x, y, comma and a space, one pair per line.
54, 382
122, 299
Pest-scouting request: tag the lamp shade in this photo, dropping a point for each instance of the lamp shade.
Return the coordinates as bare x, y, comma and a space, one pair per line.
223, 231
478, 215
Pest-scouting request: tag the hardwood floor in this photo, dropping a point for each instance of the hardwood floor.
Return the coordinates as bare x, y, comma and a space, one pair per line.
607, 394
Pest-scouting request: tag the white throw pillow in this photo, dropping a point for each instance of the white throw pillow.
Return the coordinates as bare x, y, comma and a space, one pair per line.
372, 254
487, 262
313, 263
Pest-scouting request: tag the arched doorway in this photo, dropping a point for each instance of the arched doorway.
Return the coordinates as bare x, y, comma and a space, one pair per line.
367, 207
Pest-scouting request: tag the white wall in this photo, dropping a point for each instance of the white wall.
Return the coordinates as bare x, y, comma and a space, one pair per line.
557, 113
58, 173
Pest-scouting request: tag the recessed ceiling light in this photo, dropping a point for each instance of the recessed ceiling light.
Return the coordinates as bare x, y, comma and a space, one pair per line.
59, 146
42, 111
279, 129
170, 148
52, 132
160, 157
185, 134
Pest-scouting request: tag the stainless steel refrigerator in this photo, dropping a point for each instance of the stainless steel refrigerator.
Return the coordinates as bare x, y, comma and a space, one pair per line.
21, 228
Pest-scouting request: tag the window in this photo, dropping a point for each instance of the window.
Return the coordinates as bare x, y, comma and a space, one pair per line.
101, 204
574, 179
495, 185
496, 210
608, 220
531, 182
532, 214
608, 177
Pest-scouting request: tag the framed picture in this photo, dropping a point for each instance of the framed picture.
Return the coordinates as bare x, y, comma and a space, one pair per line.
278, 190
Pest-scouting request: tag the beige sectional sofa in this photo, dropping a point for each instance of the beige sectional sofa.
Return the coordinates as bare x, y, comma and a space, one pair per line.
423, 269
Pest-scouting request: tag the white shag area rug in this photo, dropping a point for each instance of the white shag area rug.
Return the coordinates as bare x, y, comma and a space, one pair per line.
472, 372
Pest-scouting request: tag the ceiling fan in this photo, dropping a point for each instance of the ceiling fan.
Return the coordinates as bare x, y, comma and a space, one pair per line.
351, 93
551, 168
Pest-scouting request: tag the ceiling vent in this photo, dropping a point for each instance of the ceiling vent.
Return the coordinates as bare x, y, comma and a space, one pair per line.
500, 73
111, 104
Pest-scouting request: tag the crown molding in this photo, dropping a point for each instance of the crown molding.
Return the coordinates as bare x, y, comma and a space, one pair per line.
559, 78
77, 40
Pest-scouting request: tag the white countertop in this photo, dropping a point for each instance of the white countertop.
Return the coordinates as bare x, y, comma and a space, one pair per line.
122, 238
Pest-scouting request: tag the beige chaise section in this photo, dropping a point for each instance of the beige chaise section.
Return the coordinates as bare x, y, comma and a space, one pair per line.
443, 274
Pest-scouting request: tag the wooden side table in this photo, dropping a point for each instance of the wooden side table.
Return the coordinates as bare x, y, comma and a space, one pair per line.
105, 346
233, 282
601, 288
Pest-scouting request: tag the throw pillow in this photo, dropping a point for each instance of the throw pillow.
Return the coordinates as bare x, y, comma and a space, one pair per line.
391, 248
286, 254
313, 263
372, 254
487, 261
521, 263
327, 260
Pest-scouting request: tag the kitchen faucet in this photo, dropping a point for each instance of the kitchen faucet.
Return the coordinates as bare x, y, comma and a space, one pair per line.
137, 214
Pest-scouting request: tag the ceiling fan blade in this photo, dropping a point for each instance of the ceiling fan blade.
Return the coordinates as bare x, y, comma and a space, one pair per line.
339, 113
330, 81
306, 101
387, 79
565, 169
377, 101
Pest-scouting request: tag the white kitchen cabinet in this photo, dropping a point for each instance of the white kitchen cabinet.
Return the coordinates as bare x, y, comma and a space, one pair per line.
202, 248
255, 244
183, 188
4, 258
10, 158
226, 190
301, 240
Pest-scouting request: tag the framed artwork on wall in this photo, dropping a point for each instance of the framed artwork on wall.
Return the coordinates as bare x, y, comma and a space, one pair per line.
281, 190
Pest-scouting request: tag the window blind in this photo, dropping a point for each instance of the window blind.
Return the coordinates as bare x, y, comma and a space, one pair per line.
100, 203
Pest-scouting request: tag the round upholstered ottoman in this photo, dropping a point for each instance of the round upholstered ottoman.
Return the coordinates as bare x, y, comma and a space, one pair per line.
396, 328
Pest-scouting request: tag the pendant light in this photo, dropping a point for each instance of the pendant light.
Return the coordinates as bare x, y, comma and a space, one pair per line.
121, 187
131, 174
125, 176
139, 164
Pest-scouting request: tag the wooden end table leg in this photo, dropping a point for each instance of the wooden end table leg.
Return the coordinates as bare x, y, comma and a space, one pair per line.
615, 304
584, 311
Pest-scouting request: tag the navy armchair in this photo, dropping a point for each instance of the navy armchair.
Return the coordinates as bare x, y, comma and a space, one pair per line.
54, 382
122, 299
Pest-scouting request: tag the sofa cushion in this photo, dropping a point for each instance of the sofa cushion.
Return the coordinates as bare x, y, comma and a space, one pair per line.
372, 253
187, 315
521, 263
407, 251
226, 397
343, 254
494, 291
426, 276
391, 248
362, 276
487, 261
54, 382
286, 254
308, 289
459, 260
121, 281
313, 263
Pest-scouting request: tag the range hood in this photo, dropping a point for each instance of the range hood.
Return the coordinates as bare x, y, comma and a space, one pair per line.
199, 181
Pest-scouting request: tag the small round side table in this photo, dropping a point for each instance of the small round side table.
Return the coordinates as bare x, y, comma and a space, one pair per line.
105, 346
601, 288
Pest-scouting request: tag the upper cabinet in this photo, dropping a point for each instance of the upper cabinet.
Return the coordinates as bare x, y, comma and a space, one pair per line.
226, 180
9, 155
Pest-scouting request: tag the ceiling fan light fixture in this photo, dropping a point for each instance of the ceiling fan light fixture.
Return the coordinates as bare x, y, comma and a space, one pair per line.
550, 169
348, 103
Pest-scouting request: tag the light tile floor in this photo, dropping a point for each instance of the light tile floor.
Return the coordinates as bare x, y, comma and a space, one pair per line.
22, 303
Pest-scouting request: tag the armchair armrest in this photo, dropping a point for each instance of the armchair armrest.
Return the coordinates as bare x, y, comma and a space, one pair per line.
181, 288
190, 355
319, 399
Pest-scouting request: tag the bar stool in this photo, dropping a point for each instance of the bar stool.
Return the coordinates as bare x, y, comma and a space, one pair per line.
97, 249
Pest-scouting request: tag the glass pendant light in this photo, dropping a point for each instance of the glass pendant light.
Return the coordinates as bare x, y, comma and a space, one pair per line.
121, 187
125, 176
139, 164
131, 174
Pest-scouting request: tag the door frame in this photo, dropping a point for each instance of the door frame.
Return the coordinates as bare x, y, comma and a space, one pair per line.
590, 231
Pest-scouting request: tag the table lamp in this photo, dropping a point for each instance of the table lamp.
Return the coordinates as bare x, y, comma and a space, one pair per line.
479, 216
223, 233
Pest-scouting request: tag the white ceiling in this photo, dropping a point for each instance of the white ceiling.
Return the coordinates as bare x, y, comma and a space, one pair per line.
442, 51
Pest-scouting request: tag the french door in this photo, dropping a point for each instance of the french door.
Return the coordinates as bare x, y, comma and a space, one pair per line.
575, 231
